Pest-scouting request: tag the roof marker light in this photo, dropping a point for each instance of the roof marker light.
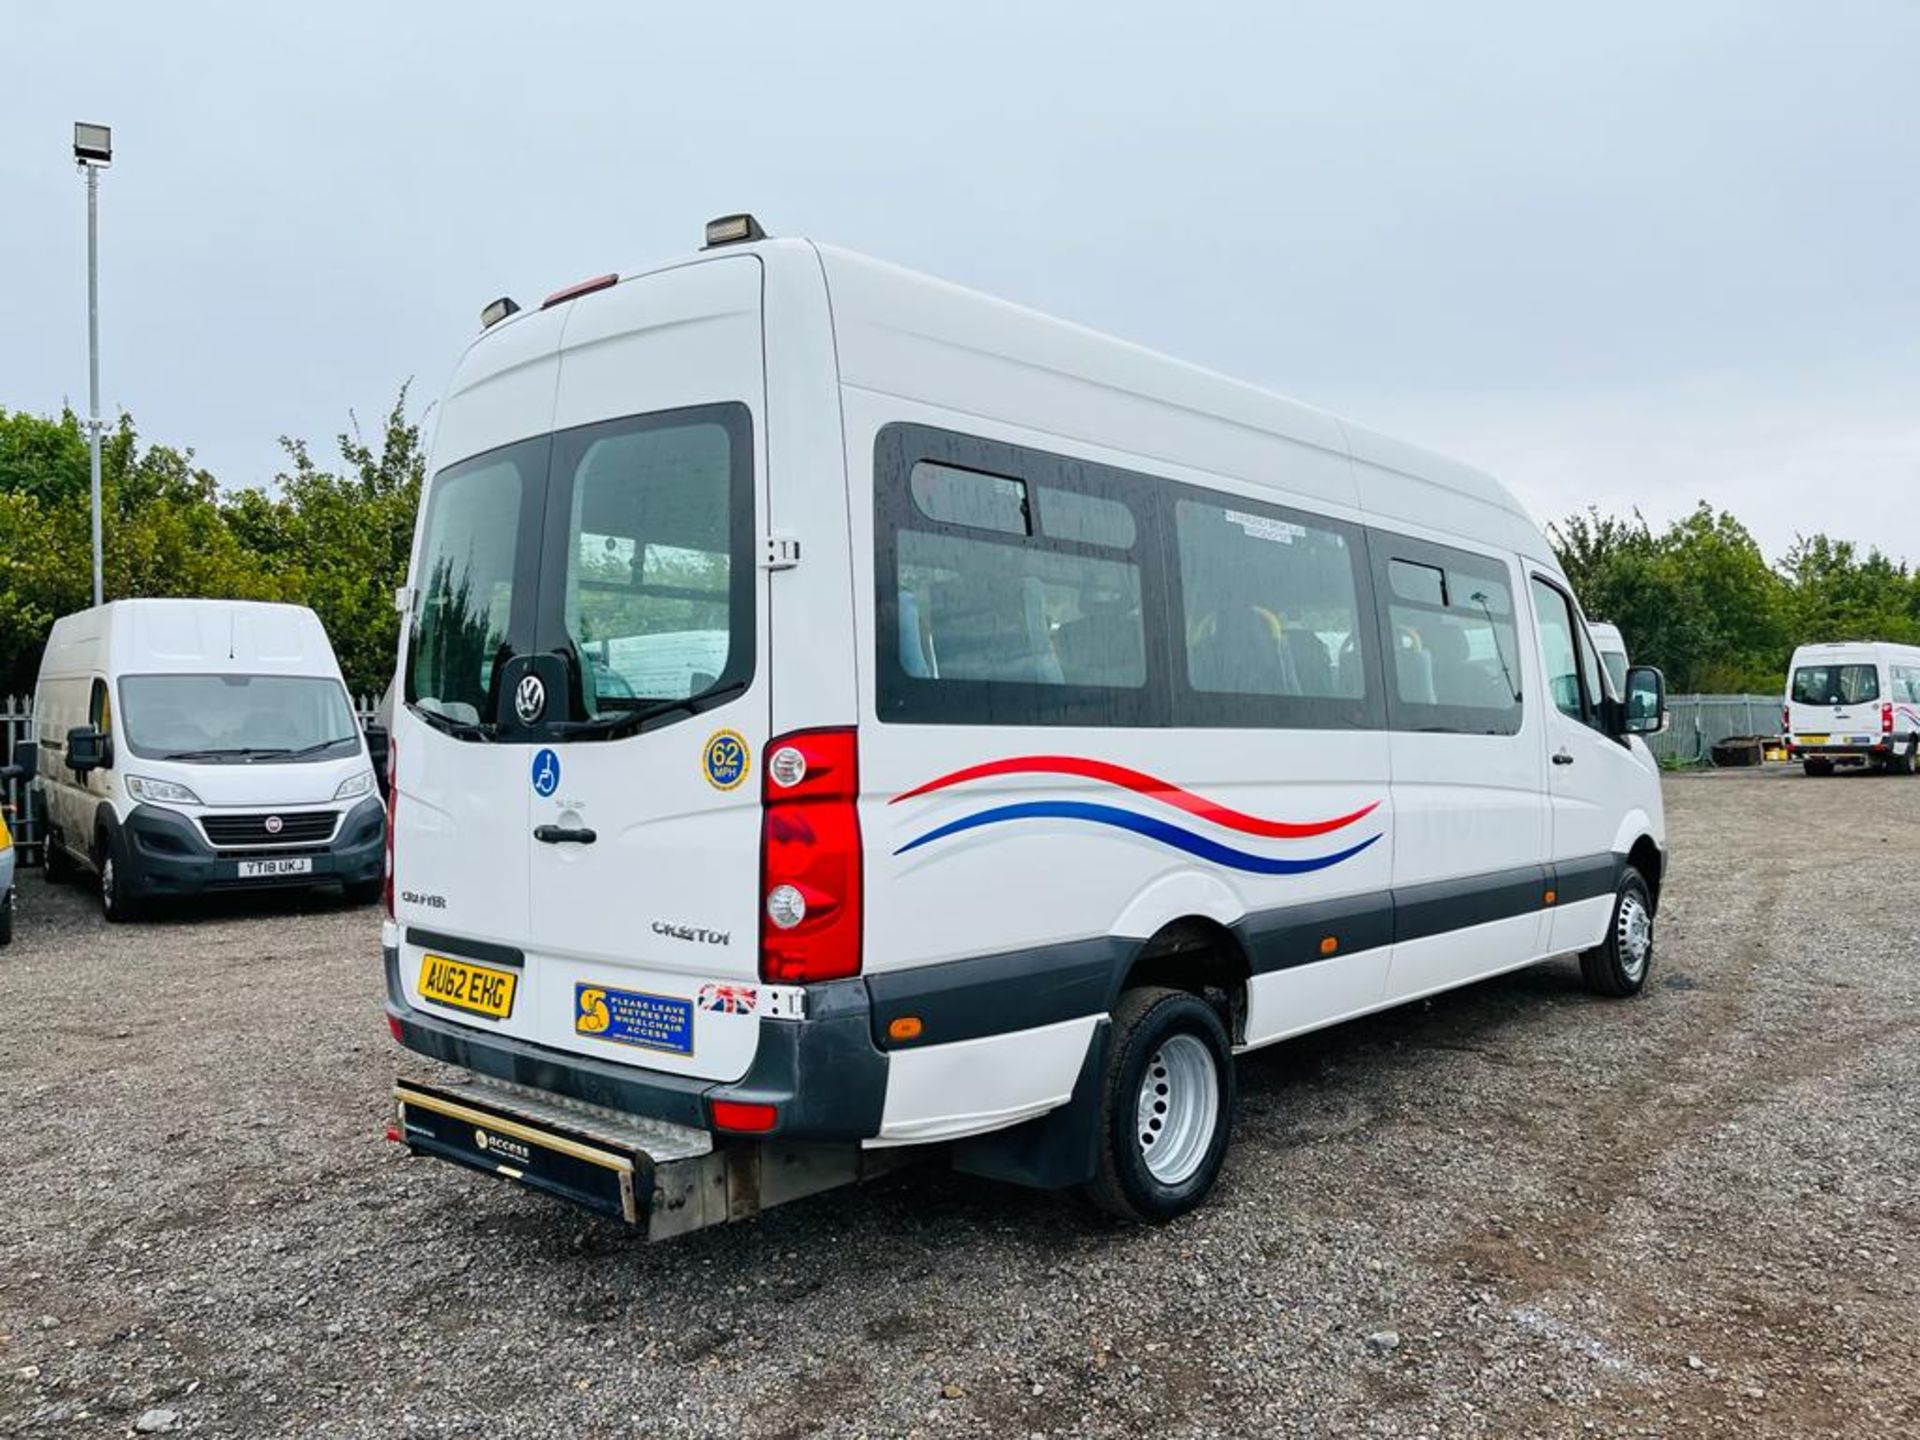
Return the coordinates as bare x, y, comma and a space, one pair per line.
585, 287
733, 230
499, 310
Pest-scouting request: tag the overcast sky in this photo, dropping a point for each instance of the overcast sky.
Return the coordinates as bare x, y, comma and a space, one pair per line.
1632, 254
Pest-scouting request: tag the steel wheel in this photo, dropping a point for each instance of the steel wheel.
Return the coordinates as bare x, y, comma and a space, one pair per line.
1634, 930
1177, 1108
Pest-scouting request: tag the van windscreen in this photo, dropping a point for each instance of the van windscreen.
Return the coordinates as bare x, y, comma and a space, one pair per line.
1836, 684
236, 717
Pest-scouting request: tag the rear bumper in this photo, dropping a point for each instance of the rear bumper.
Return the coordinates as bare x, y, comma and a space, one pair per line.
1879, 750
167, 856
823, 1074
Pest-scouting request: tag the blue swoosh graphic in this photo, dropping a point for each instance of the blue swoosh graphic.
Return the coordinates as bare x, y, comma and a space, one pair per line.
1151, 826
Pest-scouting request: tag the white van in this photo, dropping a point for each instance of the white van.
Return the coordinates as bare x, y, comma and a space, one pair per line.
841, 714
1854, 703
1612, 646
188, 746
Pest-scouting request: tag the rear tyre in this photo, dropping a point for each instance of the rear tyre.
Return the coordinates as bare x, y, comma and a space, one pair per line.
1618, 965
1818, 767
1905, 763
1166, 1106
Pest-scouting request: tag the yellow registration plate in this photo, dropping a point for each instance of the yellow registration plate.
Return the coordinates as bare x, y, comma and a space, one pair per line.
478, 988
1810, 739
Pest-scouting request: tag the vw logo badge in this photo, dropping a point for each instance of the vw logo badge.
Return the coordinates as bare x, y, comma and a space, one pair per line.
275, 824
530, 700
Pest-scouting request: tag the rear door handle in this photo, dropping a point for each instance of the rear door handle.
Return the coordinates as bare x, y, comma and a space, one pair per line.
1563, 757
562, 835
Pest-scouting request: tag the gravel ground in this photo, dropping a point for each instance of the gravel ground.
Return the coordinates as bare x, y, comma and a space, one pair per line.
1694, 1213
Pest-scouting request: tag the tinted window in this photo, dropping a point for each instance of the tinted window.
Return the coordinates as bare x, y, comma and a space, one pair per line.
651, 601
989, 611
1271, 610
465, 582
1836, 684
966, 497
1013, 586
1448, 627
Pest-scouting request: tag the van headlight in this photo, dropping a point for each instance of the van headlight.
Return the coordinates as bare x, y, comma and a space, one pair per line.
160, 792
354, 786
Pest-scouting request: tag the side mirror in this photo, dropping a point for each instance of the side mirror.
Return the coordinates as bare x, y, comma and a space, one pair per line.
25, 764
88, 749
1645, 701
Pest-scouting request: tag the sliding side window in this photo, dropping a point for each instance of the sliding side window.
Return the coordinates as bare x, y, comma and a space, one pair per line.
1013, 586
1448, 627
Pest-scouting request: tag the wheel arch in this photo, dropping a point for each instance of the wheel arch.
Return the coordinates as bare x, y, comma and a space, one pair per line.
1198, 954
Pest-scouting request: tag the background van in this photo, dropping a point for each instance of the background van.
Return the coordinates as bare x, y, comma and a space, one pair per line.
1854, 703
188, 746
842, 716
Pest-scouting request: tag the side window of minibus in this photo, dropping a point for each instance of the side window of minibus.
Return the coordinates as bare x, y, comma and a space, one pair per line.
1559, 653
1448, 624
1011, 586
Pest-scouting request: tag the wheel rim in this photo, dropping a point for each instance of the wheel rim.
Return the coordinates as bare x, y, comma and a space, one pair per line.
1635, 932
106, 883
1178, 1108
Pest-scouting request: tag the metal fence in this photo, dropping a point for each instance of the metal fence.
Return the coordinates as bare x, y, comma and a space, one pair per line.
1696, 723
16, 728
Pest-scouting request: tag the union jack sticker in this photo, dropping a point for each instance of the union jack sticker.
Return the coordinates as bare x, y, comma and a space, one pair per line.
729, 999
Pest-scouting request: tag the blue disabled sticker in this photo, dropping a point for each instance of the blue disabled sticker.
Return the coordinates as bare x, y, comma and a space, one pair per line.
546, 773
633, 1017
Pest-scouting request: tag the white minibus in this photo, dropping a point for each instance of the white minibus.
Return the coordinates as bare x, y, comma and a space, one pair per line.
1612, 646
1854, 703
842, 717
193, 746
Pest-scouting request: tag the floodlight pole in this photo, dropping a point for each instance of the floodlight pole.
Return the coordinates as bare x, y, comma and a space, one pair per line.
93, 358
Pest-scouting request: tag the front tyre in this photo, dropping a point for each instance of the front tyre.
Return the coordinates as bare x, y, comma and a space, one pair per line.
118, 900
1618, 965
1166, 1106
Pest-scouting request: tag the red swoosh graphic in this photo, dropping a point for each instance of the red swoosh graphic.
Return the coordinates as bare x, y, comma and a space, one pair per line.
1141, 784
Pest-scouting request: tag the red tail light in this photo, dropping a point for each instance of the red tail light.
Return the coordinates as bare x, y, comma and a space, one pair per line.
393, 807
810, 858
1886, 717
744, 1116
1786, 720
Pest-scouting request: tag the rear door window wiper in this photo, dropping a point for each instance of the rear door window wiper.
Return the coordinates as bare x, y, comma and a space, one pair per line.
612, 727
459, 729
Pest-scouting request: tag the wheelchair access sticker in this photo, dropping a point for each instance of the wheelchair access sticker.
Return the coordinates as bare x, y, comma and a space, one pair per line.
725, 760
633, 1017
546, 773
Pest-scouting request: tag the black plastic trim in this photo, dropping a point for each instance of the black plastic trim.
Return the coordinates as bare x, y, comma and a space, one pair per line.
461, 948
1442, 905
1282, 939
1585, 879
993, 994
